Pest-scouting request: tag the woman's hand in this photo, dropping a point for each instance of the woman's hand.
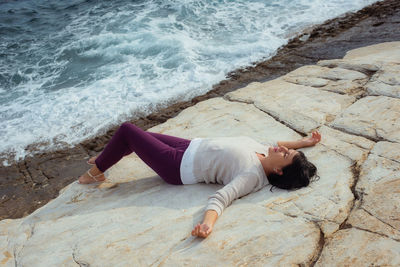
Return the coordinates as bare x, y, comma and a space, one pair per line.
312, 140
202, 230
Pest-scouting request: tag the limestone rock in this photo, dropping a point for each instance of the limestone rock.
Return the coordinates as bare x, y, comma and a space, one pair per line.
246, 245
352, 247
7, 228
335, 79
363, 220
138, 230
226, 118
300, 107
376, 54
307, 81
352, 146
378, 188
376, 117
387, 150
327, 73
386, 81
355, 65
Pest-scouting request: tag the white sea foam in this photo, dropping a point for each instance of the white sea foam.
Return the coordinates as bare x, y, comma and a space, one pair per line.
120, 62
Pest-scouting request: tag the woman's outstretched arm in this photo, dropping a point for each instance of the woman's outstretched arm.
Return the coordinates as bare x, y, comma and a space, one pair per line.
304, 142
241, 185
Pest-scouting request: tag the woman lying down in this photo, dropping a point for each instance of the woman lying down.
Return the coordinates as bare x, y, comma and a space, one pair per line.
240, 163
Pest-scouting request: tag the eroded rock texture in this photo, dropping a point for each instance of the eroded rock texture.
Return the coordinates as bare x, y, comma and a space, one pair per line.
349, 217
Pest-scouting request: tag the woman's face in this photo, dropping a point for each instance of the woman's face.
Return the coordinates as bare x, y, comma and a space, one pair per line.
281, 156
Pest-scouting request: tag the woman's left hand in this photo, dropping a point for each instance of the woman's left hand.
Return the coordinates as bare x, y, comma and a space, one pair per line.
202, 230
312, 140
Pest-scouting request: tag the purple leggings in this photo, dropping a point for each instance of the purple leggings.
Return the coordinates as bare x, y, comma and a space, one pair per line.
162, 153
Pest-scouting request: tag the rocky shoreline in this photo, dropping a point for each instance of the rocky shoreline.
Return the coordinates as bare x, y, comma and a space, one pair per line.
31, 183
347, 217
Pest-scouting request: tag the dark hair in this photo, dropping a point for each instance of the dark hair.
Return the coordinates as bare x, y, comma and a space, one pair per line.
294, 176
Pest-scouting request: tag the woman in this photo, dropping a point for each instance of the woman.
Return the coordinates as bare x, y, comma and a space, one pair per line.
240, 163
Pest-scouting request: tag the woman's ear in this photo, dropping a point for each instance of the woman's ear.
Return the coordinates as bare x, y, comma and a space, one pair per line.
278, 171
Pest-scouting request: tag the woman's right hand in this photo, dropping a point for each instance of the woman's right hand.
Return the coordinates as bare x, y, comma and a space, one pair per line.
202, 230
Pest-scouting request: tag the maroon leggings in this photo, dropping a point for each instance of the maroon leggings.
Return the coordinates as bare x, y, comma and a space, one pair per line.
162, 153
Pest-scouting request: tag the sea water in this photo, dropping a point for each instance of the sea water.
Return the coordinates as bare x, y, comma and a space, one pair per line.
72, 69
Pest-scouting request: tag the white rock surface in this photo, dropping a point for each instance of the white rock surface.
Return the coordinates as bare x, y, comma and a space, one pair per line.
334, 77
386, 81
352, 247
376, 117
137, 219
379, 190
312, 76
301, 107
334, 74
352, 146
353, 64
378, 54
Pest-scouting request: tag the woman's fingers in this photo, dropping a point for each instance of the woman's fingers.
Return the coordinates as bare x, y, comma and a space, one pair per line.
195, 230
313, 139
201, 230
316, 136
206, 230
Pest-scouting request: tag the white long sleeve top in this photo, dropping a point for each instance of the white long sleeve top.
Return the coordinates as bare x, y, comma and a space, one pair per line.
231, 161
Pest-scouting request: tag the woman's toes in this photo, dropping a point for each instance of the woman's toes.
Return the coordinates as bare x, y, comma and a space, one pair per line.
82, 180
85, 179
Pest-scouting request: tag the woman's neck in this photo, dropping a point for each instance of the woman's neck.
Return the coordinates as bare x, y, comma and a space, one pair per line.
266, 163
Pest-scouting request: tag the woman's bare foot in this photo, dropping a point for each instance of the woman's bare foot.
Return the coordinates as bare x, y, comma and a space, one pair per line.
92, 160
92, 176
